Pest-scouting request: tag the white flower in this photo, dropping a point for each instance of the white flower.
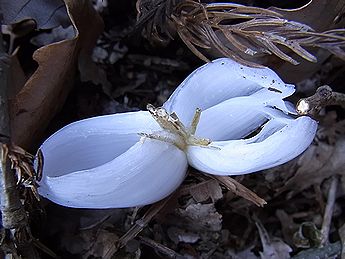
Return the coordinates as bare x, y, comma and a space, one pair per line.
137, 158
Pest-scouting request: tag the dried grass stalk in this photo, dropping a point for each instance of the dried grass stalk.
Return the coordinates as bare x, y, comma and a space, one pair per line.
233, 30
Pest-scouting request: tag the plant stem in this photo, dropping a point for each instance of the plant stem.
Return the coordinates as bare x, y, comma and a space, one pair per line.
14, 218
327, 217
10, 203
323, 97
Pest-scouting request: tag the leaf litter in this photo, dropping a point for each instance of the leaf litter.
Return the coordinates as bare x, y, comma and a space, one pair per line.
205, 218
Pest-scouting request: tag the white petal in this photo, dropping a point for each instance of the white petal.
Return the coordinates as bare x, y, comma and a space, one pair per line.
237, 117
231, 119
91, 142
291, 108
218, 81
261, 152
146, 173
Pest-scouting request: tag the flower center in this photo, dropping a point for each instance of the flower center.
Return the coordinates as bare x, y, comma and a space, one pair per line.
174, 131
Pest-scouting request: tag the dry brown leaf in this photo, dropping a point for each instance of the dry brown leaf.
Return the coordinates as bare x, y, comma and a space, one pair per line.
202, 217
334, 129
90, 243
16, 77
45, 91
331, 15
305, 69
100, 243
318, 163
203, 191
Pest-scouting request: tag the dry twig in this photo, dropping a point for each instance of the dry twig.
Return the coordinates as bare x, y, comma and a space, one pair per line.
158, 247
14, 218
329, 251
137, 227
327, 217
323, 97
342, 239
240, 190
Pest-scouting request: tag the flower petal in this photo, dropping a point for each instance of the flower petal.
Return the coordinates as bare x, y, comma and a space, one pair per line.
146, 173
218, 81
91, 142
237, 117
263, 151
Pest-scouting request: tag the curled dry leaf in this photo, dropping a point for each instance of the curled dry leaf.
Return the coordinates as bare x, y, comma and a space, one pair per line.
45, 91
308, 235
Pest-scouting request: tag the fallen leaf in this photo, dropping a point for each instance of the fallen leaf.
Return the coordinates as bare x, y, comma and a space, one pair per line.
202, 217
289, 227
47, 14
272, 248
332, 129
331, 15
16, 77
178, 235
54, 35
203, 191
90, 243
318, 163
46, 90
100, 243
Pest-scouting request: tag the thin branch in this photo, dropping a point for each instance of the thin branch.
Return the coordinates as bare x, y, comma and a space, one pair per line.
158, 247
327, 217
341, 232
323, 97
329, 251
240, 190
137, 227
14, 218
